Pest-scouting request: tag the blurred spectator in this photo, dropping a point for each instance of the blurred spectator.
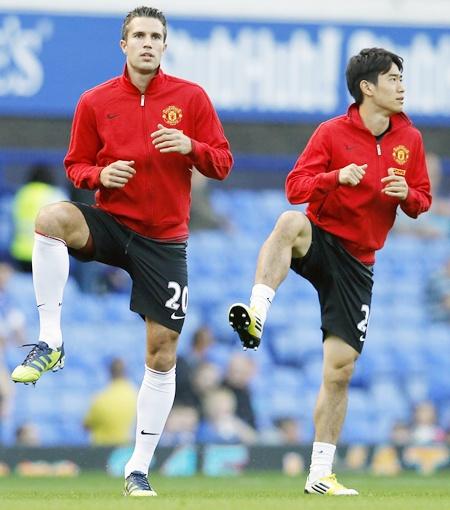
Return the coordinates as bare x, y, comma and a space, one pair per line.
289, 431
12, 320
181, 426
221, 425
203, 216
206, 378
187, 365
111, 415
425, 429
400, 434
436, 222
285, 431
438, 294
27, 435
12, 330
240, 372
39, 190
202, 341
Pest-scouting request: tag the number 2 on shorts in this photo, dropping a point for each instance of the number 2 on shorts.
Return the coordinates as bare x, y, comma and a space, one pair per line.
362, 326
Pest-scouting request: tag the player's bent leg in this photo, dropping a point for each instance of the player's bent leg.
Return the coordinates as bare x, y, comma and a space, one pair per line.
57, 225
63, 220
290, 238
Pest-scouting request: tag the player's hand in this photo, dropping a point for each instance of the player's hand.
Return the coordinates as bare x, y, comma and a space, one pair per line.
395, 185
352, 174
171, 140
117, 174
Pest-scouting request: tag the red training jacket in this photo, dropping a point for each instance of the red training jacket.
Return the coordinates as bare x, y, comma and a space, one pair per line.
359, 216
113, 121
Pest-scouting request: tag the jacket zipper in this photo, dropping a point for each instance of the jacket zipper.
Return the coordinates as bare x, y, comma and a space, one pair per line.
146, 141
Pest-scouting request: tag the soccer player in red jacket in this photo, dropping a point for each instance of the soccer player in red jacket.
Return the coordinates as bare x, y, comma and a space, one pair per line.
354, 173
135, 139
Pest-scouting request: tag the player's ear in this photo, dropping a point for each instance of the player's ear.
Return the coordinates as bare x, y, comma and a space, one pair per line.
366, 87
123, 46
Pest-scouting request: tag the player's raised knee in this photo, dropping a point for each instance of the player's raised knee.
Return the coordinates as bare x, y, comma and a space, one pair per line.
55, 219
291, 224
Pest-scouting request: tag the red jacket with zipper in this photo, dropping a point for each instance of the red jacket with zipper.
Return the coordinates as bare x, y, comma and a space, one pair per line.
359, 216
113, 121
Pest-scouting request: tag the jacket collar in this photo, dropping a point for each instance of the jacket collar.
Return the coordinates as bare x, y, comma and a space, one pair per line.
125, 82
398, 120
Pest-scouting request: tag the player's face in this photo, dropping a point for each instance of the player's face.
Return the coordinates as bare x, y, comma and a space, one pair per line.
144, 44
389, 92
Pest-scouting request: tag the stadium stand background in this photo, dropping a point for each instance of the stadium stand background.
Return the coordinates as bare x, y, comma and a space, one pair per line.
407, 356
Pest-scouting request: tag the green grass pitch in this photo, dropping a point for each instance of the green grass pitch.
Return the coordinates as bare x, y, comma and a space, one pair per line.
247, 492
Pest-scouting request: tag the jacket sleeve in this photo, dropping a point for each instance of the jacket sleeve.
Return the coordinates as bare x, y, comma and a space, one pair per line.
419, 189
311, 179
85, 143
211, 153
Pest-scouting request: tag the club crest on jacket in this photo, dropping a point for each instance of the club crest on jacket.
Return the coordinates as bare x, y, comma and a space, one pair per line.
172, 115
400, 154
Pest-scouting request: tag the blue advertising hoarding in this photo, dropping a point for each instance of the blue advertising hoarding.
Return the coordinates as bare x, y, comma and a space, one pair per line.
253, 71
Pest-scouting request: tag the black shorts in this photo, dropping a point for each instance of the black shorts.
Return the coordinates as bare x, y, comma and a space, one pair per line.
344, 285
158, 270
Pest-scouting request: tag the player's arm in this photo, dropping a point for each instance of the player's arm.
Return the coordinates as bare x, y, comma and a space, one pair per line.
312, 178
83, 148
417, 182
207, 149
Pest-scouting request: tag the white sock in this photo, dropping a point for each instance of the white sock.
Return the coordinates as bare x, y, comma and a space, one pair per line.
321, 460
154, 403
261, 299
50, 262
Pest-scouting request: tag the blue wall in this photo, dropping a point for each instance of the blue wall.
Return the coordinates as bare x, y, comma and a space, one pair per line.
253, 71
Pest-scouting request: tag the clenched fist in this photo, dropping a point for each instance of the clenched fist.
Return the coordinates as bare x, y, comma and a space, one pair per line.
117, 174
352, 174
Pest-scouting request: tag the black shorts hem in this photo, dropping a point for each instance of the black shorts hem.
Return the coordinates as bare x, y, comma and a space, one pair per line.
326, 332
176, 326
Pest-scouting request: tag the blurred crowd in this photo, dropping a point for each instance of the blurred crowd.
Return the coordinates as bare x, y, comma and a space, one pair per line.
213, 402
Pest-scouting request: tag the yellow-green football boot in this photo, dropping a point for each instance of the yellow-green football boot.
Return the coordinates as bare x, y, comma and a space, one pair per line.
328, 486
248, 325
137, 485
40, 359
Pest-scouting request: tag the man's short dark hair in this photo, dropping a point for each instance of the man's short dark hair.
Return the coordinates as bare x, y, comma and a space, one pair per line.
144, 12
368, 65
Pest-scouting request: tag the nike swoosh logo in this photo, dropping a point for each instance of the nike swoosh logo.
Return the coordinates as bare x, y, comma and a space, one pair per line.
112, 115
149, 433
42, 304
174, 316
